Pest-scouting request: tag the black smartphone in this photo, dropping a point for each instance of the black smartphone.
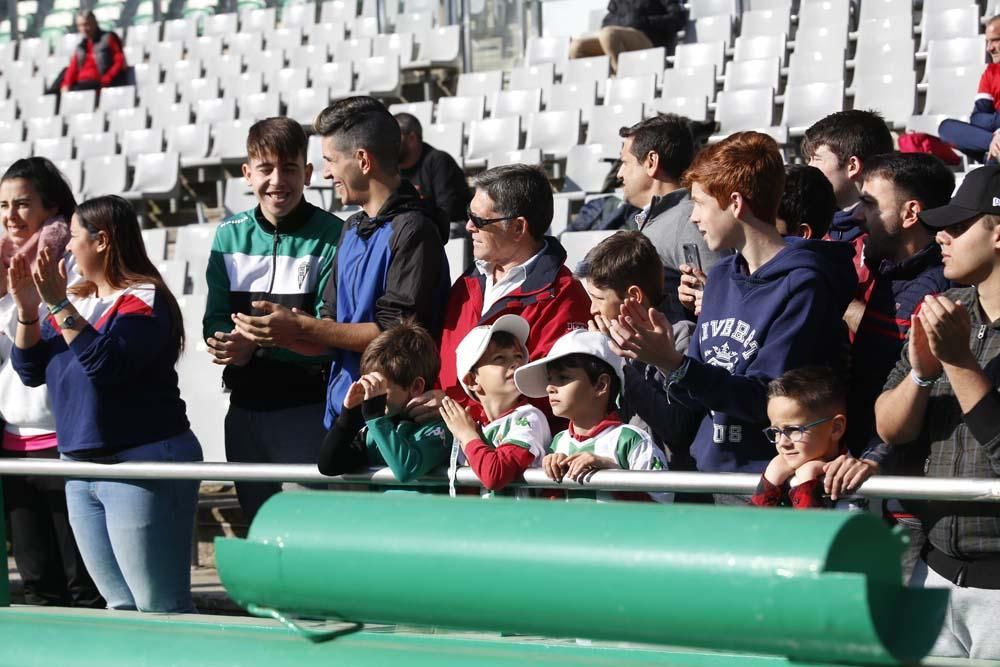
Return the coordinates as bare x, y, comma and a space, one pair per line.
692, 257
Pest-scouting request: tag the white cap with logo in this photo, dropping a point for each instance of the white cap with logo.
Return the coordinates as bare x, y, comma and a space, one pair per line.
532, 380
472, 347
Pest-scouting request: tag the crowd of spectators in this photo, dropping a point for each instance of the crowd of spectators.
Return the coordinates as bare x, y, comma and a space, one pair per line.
812, 324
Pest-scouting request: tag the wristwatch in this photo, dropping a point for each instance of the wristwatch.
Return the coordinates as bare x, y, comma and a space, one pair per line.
69, 322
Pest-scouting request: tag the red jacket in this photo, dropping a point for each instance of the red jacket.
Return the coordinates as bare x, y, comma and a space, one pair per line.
551, 300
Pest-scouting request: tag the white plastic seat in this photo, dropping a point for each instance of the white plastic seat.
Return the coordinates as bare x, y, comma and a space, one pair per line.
285, 39
693, 108
710, 29
245, 43
37, 107
699, 8
580, 97
218, 110
741, 110
338, 78
183, 70
951, 23
229, 141
479, 83
581, 70
166, 52
337, 11
206, 48
455, 250
85, 123
141, 142
531, 156
695, 55
892, 95
750, 74
690, 82
298, 15
146, 74
422, 111
258, 106
440, 47
578, 244
447, 137
957, 52
815, 66
364, 26
286, 80
34, 49
157, 176
764, 46
123, 120
160, 95
643, 61
605, 121
178, 113
238, 197
44, 128
259, 20
379, 76
639, 89
59, 148
517, 102
73, 171
554, 49
399, 45
194, 245
878, 9
304, 105
77, 101
883, 57
758, 22
155, 241
352, 50
889, 29
229, 65
951, 91
308, 55
494, 135
190, 142
326, 34
806, 104
833, 14
180, 30
119, 97
553, 132
98, 144
823, 38
12, 151
460, 109
414, 22
104, 175
220, 25
247, 83
530, 77
205, 88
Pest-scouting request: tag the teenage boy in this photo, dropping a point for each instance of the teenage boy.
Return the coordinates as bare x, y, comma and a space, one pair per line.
775, 305
838, 145
939, 397
626, 266
280, 252
514, 434
372, 429
806, 408
654, 155
583, 380
390, 263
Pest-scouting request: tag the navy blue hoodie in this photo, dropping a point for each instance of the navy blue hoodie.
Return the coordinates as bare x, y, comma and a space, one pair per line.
844, 226
753, 328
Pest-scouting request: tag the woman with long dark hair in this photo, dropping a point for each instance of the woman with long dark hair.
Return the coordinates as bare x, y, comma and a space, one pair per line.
107, 350
36, 204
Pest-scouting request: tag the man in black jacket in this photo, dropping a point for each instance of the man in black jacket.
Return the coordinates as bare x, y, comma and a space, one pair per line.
632, 25
434, 173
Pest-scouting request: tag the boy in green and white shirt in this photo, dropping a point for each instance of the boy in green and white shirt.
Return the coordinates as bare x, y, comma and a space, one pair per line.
508, 435
583, 378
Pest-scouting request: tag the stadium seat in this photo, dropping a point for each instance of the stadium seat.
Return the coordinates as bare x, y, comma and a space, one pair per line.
337, 11
541, 50
146, 74
517, 102
553, 132
422, 111
883, 57
308, 55
710, 29
630, 90
494, 135
225, 67
765, 46
121, 97
952, 91
229, 141
399, 45
285, 39
832, 14
352, 50
741, 110
879, 9
298, 15
34, 49
440, 47
98, 144
218, 110
700, 8
643, 61
8, 108
749, 74
194, 244
77, 101
533, 76
379, 76
761, 22
205, 48
37, 107
479, 83
892, 95
238, 196
957, 52
155, 241
447, 137
364, 26
580, 97
694, 108
85, 123
805, 104
560, 216
180, 30
50, 127
326, 34
11, 151
59, 148
104, 175
695, 55
157, 176
244, 84
578, 244
587, 168
220, 25
815, 66
166, 53
581, 70
304, 105
690, 82
460, 109
205, 88
605, 122
73, 171
414, 22
950, 24
259, 20
456, 251
258, 106
286, 81
338, 78
245, 43
183, 70
888, 29
141, 142
177, 113
531, 156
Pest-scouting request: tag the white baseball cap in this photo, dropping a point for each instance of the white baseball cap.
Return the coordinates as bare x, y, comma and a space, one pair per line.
531, 379
472, 347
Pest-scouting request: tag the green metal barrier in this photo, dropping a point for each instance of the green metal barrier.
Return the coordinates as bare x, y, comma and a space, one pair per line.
821, 587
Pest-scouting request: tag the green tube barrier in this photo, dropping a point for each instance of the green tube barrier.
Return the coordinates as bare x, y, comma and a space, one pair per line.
92, 638
812, 586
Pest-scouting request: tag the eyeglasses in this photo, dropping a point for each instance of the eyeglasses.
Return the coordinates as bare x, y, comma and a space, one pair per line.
482, 222
793, 433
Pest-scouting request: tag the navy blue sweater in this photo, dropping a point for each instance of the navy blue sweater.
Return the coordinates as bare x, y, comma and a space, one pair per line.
752, 328
115, 386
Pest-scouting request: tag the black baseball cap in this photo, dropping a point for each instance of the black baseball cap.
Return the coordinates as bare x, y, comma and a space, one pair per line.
978, 194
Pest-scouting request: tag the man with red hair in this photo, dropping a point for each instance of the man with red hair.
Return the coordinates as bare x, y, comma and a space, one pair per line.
775, 305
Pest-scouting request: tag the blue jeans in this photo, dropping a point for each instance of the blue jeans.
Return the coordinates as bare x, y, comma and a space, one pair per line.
135, 535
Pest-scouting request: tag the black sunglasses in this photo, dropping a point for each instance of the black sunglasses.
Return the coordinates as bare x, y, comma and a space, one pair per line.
482, 222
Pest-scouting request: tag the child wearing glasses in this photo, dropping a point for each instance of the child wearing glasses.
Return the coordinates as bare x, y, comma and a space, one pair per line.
806, 408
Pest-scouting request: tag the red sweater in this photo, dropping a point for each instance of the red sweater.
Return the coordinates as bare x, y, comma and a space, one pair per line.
551, 300
89, 71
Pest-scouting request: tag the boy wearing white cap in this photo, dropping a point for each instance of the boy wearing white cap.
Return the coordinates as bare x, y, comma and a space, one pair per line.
583, 378
514, 434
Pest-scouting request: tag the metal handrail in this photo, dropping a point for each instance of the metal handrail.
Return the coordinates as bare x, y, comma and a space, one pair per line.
907, 488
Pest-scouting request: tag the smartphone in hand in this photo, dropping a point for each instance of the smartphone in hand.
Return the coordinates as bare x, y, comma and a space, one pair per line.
692, 256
